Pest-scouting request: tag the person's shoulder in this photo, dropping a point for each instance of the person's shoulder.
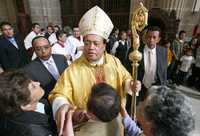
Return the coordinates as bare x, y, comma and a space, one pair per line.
30, 34
2, 41
59, 56
161, 48
33, 64
80, 61
112, 59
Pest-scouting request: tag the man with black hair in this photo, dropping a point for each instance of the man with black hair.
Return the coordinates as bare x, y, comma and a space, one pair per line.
13, 55
152, 69
47, 67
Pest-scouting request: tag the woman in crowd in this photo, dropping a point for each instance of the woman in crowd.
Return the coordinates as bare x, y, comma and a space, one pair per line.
164, 112
19, 97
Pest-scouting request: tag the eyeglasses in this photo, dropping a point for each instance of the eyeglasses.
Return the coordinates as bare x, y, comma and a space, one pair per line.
96, 43
41, 48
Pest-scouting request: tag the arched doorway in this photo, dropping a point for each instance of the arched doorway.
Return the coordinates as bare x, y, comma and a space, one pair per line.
166, 21
118, 11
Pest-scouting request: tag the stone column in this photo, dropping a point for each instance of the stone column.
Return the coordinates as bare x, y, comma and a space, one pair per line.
8, 11
188, 18
45, 11
3, 11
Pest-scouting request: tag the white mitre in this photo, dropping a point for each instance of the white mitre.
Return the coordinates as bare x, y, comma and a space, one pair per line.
96, 21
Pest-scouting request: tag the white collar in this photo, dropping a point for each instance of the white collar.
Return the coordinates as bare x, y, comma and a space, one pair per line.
49, 60
123, 42
98, 62
147, 49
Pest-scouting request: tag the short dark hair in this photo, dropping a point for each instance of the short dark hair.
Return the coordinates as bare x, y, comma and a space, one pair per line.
34, 24
57, 27
50, 26
104, 102
14, 92
60, 33
154, 28
170, 111
38, 37
68, 30
181, 32
5, 23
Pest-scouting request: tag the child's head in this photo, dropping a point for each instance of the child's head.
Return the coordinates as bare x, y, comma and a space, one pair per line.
189, 52
104, 102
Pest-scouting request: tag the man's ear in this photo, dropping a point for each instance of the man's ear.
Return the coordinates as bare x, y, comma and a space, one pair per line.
25, 107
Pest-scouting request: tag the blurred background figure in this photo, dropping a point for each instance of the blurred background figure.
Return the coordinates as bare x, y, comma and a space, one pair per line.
50, 30
13, 54
120, 49
186, 61
59, 46
35, 30
52, 38
112, 39
177, 50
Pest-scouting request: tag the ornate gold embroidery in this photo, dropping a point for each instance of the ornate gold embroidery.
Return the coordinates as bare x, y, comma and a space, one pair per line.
99, 74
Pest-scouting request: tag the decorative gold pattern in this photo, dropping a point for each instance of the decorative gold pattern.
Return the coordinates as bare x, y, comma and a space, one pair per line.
96, 21
139, 21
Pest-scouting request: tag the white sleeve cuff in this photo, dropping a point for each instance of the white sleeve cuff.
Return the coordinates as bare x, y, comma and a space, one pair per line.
57, 102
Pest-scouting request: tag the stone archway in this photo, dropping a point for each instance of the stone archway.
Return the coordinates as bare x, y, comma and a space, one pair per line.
166, 21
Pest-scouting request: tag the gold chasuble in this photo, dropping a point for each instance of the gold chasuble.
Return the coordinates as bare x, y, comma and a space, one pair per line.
75, 85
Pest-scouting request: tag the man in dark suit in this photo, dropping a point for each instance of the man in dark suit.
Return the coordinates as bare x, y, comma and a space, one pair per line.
152, 69
12, 51
46, 68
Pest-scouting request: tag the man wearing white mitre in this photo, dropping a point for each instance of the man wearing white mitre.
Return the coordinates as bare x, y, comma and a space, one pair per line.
94, 66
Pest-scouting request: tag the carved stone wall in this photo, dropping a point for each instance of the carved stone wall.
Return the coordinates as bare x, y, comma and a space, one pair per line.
186, 19
45, 11
8, 11
166, 21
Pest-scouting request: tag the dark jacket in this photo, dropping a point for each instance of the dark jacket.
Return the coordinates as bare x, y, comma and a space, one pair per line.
10, 56
38, 72
27, 124
161, 68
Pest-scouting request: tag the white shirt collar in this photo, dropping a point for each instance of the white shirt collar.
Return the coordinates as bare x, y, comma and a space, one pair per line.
98, 62
123, 42
49, 60
147, 49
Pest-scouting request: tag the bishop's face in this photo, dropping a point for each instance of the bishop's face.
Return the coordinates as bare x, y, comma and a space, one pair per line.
94, 47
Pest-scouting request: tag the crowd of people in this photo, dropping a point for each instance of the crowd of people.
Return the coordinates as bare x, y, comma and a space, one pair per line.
78, 82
